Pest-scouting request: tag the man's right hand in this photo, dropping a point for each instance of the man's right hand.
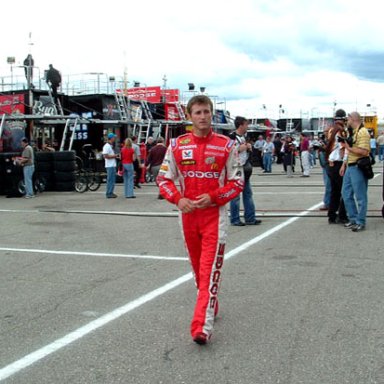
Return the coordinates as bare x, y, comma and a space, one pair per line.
185, 205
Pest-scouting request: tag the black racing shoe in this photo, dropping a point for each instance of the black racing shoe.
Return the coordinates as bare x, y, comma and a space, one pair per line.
200, 338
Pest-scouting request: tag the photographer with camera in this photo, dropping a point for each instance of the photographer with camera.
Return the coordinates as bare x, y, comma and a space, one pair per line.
244, 149
355, 184
334, 155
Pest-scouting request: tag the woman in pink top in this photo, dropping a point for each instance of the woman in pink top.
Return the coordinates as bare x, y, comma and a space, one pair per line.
127, 159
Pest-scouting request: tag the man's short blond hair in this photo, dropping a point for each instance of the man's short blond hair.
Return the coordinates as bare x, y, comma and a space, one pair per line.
200, 100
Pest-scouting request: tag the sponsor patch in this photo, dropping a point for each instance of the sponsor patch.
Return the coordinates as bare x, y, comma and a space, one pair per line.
185, 141
210, 160
188, 162
217, 154
191, 146
201, 175
215, 167
187, 154
164, 168
230, 144
215, 147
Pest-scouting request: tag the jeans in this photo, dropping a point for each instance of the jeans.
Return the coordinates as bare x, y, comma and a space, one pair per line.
249, 205
327, 185
381, 152
128, 180
355, 187
373, 155
28, 171
111, 180
267, 162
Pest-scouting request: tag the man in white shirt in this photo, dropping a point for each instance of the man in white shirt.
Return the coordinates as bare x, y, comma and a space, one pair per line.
110, 165
258, 146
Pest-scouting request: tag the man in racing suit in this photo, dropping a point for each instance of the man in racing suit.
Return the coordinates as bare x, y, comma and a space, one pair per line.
209, 174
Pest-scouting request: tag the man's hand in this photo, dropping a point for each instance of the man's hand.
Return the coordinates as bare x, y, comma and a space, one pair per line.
342, 170
203, 201
185, 205
243, 147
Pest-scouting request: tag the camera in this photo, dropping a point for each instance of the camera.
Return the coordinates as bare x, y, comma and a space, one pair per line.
341, 139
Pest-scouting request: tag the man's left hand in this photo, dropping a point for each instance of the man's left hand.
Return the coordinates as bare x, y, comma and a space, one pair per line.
203, 201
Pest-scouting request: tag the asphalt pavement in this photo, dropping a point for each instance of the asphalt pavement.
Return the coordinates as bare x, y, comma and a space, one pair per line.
96, 290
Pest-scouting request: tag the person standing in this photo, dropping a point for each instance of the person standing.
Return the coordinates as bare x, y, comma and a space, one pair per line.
155, 158
53, 78
288, 150
258, 146
373, 146
28, 163
244, 149
380, 143
127, 159
268, 153
323, 140
150, 143
110, 165
137, 165
28, 69
335, 154
304, 151
278, 144
355, 184
206, 167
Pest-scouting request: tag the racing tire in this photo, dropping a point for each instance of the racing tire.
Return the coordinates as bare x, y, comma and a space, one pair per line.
44, 166
65, 166
65, 186
64, 176
81, 184
94, 183
46, 157
64, 156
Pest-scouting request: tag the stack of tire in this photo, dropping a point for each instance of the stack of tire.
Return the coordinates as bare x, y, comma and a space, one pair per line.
10, 175
44, 168
64, 164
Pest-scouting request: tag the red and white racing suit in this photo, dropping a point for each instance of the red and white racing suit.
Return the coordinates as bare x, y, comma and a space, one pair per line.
203, 165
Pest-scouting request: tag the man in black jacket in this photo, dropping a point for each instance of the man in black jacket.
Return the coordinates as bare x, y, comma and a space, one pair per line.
54, 78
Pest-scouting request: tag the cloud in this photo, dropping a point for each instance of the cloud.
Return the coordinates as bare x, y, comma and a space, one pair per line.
249, 52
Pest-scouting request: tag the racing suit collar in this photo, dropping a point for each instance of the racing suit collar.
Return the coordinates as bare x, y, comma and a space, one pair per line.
202, 138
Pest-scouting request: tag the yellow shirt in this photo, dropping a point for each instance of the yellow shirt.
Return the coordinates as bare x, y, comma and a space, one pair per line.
361, 140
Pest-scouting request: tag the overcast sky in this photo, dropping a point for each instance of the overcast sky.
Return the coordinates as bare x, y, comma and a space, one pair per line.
304, 55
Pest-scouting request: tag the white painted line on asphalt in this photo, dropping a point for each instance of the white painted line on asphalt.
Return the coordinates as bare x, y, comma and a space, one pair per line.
56, 345
120, 213
93, 254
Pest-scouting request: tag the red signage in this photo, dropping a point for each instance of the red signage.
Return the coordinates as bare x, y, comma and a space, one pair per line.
152, 94
171, 112
12, 104
170, 95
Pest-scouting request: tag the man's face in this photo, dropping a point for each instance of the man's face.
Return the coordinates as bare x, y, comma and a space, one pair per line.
353, 121
244, 127
201, 117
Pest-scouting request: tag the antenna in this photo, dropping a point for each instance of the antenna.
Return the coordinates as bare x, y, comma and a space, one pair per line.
30, 43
